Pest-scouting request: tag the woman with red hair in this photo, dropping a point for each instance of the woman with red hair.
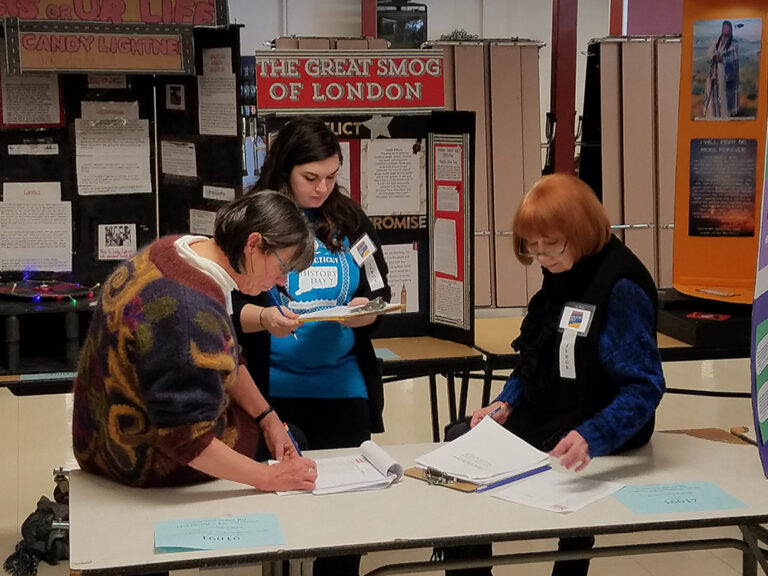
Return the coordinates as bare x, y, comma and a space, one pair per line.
589, 377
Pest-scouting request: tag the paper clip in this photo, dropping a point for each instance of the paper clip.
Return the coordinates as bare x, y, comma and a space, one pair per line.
435, 477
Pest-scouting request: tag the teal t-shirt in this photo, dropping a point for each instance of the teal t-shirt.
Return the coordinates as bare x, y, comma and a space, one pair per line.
319, 363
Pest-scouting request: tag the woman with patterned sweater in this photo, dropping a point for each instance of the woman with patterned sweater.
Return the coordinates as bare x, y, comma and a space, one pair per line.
161, 397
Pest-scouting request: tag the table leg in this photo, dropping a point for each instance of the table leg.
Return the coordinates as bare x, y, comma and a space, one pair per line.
301, 567
433, 406
451, 396
463, 391
750, 561
487, 381
72, 335
12, 342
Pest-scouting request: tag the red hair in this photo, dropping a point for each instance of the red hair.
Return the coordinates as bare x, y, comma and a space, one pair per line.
561, 204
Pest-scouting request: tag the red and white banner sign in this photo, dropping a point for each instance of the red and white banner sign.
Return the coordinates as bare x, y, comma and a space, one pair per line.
304, 81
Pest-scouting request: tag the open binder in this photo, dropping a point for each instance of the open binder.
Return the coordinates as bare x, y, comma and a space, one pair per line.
370, 469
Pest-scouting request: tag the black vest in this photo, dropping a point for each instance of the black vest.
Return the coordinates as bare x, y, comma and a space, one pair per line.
551, 405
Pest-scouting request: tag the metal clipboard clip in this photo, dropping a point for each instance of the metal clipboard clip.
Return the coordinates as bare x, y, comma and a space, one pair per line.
374, 305
435, 477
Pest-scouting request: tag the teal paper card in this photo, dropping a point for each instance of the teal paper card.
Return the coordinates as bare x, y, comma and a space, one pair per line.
246, 531
386, 354
677, 497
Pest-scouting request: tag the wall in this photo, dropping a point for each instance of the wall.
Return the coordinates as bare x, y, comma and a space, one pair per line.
654, 17
266, 19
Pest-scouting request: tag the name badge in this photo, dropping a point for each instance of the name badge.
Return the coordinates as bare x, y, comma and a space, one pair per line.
574, 322
362, 249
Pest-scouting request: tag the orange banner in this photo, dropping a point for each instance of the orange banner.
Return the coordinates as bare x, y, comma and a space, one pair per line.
174, 12
720, 148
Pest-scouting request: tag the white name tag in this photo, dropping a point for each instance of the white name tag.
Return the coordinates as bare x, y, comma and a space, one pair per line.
375, 281
574, 322
362, 250
567, 359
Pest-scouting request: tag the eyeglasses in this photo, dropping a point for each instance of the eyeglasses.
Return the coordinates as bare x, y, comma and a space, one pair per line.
284, 267
549, 247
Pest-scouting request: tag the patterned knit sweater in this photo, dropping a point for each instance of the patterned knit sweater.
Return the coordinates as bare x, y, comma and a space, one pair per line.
152, 386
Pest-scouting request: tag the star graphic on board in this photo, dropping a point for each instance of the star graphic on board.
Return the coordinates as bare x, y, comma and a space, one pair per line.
379, 126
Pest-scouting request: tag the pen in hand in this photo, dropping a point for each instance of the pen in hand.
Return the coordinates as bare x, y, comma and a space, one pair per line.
280, 309
495, 410
293, 440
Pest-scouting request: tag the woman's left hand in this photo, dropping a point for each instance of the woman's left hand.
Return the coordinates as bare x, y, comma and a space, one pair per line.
359, 321
572, 450
277, 438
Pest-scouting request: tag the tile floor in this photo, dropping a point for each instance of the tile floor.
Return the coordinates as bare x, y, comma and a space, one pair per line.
36, 434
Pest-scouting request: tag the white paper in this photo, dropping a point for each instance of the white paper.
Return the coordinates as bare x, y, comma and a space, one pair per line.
217, 61
217, 103
36, 236
96, 111
117, 241
218, 193
403, 264
487, 453
567, 361
394, 181
33, 149
178, 158
444, 243
449, 301
30, 99
342, 176
556, 491
336, 312
201, 222
106, 81
448, 163
447, 198
373, 274
32, 192
112, 155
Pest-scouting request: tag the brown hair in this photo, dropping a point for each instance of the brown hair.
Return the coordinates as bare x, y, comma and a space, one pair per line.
562, 204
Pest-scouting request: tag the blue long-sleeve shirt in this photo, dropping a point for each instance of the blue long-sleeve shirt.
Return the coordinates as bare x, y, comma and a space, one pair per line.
629, 355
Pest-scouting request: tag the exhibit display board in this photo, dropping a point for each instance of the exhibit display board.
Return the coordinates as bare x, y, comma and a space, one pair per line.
94, 166
721, 149
412, 175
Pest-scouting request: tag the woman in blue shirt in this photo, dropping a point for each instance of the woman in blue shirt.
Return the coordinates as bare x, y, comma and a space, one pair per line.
326, 379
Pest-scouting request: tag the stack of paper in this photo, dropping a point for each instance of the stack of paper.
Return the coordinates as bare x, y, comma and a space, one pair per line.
486, 454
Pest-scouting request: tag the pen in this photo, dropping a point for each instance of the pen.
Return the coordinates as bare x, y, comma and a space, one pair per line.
280, 309
495, 410
515, 478
295, 444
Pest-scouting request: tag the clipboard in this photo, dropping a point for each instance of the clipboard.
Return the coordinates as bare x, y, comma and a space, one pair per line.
437, 478
449, 482
386, 310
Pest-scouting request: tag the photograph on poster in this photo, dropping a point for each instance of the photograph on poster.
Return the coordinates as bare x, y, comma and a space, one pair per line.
174, 97
116, 241
726, 69
722, 187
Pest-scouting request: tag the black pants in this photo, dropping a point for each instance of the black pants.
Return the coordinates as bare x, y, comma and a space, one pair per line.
561, 568
329, 423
